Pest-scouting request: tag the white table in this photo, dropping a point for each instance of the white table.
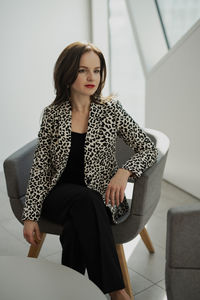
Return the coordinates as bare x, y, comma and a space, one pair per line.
23, 278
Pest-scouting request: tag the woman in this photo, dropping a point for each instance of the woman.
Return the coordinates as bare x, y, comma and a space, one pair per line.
75, 180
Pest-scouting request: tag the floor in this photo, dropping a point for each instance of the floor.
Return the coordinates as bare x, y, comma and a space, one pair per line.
146, 270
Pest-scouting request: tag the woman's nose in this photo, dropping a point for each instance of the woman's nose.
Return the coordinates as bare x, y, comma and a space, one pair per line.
90, 76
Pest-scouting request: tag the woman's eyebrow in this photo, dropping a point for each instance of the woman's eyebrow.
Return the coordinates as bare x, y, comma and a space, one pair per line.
87, 67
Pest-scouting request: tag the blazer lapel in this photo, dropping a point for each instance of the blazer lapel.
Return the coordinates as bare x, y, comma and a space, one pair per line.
64, 124
94, 125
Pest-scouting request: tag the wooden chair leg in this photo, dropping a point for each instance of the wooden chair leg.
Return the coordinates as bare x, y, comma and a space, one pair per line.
35, 250
147, 241
123, 264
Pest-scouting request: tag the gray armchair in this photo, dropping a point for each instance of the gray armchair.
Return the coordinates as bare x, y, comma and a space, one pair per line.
145, 196
182, 272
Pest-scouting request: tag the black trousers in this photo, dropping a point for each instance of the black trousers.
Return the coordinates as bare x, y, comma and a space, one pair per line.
87, 239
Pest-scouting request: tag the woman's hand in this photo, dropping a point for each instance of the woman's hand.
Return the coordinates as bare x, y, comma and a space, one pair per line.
116, 187
31, 232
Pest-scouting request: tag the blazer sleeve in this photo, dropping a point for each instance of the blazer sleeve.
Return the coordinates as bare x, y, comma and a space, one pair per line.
145, 152
39, 171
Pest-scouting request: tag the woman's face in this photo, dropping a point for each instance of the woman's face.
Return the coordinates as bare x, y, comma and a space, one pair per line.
88, 78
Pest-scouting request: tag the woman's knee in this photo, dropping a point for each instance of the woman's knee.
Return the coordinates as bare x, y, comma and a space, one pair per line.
91, 201
91, 197
86, 200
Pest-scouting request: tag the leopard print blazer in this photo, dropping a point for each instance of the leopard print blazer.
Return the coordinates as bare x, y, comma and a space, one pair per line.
106, 122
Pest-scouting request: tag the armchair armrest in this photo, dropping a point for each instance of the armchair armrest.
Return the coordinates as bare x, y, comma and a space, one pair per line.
148, 186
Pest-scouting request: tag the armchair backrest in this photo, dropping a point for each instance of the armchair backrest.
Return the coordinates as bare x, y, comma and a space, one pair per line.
17, 169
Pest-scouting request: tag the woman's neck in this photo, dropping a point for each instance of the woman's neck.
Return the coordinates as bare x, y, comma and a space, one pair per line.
80, 106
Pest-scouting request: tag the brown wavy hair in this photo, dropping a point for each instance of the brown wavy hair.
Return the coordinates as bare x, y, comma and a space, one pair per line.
66, 71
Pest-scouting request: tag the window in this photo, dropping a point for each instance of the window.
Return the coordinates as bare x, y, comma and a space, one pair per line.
177, 17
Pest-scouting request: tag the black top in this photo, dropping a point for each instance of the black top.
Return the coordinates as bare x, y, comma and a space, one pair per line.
74, 171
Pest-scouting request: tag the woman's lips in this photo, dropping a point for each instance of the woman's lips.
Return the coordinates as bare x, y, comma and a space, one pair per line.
90, 86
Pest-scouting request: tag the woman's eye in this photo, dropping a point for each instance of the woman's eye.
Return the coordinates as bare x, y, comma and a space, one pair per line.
81, 70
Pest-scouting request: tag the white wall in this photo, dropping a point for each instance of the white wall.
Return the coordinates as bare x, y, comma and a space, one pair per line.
33, 34
100, 34
173, 106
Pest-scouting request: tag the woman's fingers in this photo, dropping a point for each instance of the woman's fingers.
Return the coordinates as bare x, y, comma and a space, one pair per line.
107, 195
117, 197
116, 188
121, 198
30, 238
32, 232
37, 231
114, 195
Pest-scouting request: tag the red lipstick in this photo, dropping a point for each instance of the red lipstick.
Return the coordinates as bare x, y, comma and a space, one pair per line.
90, 86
